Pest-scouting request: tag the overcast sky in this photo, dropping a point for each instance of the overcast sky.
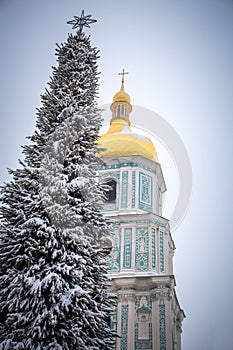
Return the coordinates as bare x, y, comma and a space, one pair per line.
180, 58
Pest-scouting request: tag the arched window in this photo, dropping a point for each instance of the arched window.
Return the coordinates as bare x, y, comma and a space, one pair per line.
111, 193
107, 246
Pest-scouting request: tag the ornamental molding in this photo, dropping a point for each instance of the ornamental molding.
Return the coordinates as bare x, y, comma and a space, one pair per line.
137, 283
137, 159
104, 168
152, 219
126, 298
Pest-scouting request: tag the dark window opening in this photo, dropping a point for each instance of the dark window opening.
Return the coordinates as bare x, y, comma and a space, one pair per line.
111, 193
106, 246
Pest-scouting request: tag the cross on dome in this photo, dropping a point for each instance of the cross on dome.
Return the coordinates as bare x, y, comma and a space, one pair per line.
122, 96
123, 75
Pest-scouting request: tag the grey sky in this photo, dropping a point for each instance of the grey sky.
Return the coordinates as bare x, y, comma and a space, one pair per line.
179, 55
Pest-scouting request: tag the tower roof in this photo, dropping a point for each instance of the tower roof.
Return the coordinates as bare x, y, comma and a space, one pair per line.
120, 140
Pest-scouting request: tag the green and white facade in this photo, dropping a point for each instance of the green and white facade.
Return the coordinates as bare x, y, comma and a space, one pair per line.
148, 315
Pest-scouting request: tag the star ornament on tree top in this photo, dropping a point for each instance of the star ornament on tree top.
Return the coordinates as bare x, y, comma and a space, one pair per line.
82, 21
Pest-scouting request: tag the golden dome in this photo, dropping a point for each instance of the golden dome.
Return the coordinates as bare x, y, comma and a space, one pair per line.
121, 96
119, 140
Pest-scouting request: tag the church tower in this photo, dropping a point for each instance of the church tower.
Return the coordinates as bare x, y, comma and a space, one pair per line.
148, 315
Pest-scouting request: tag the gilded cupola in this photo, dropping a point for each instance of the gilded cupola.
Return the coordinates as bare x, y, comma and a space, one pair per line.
120, 140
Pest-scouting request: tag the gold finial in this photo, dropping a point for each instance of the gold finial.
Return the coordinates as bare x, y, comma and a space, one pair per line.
123, 75
122, 96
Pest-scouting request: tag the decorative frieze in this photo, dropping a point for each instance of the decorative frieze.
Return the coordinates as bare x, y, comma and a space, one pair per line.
126, 297
162, 327
143, 300
142, 247
124, 189
161, 295
153, 248
145, 192
124, 326
133, 189
113, 258
127, 256
128, 164
161, 251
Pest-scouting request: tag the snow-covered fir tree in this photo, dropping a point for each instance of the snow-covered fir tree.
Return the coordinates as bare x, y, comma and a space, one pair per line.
53, 276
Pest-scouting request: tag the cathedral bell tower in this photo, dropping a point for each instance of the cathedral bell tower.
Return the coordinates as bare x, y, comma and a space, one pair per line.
148, 315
